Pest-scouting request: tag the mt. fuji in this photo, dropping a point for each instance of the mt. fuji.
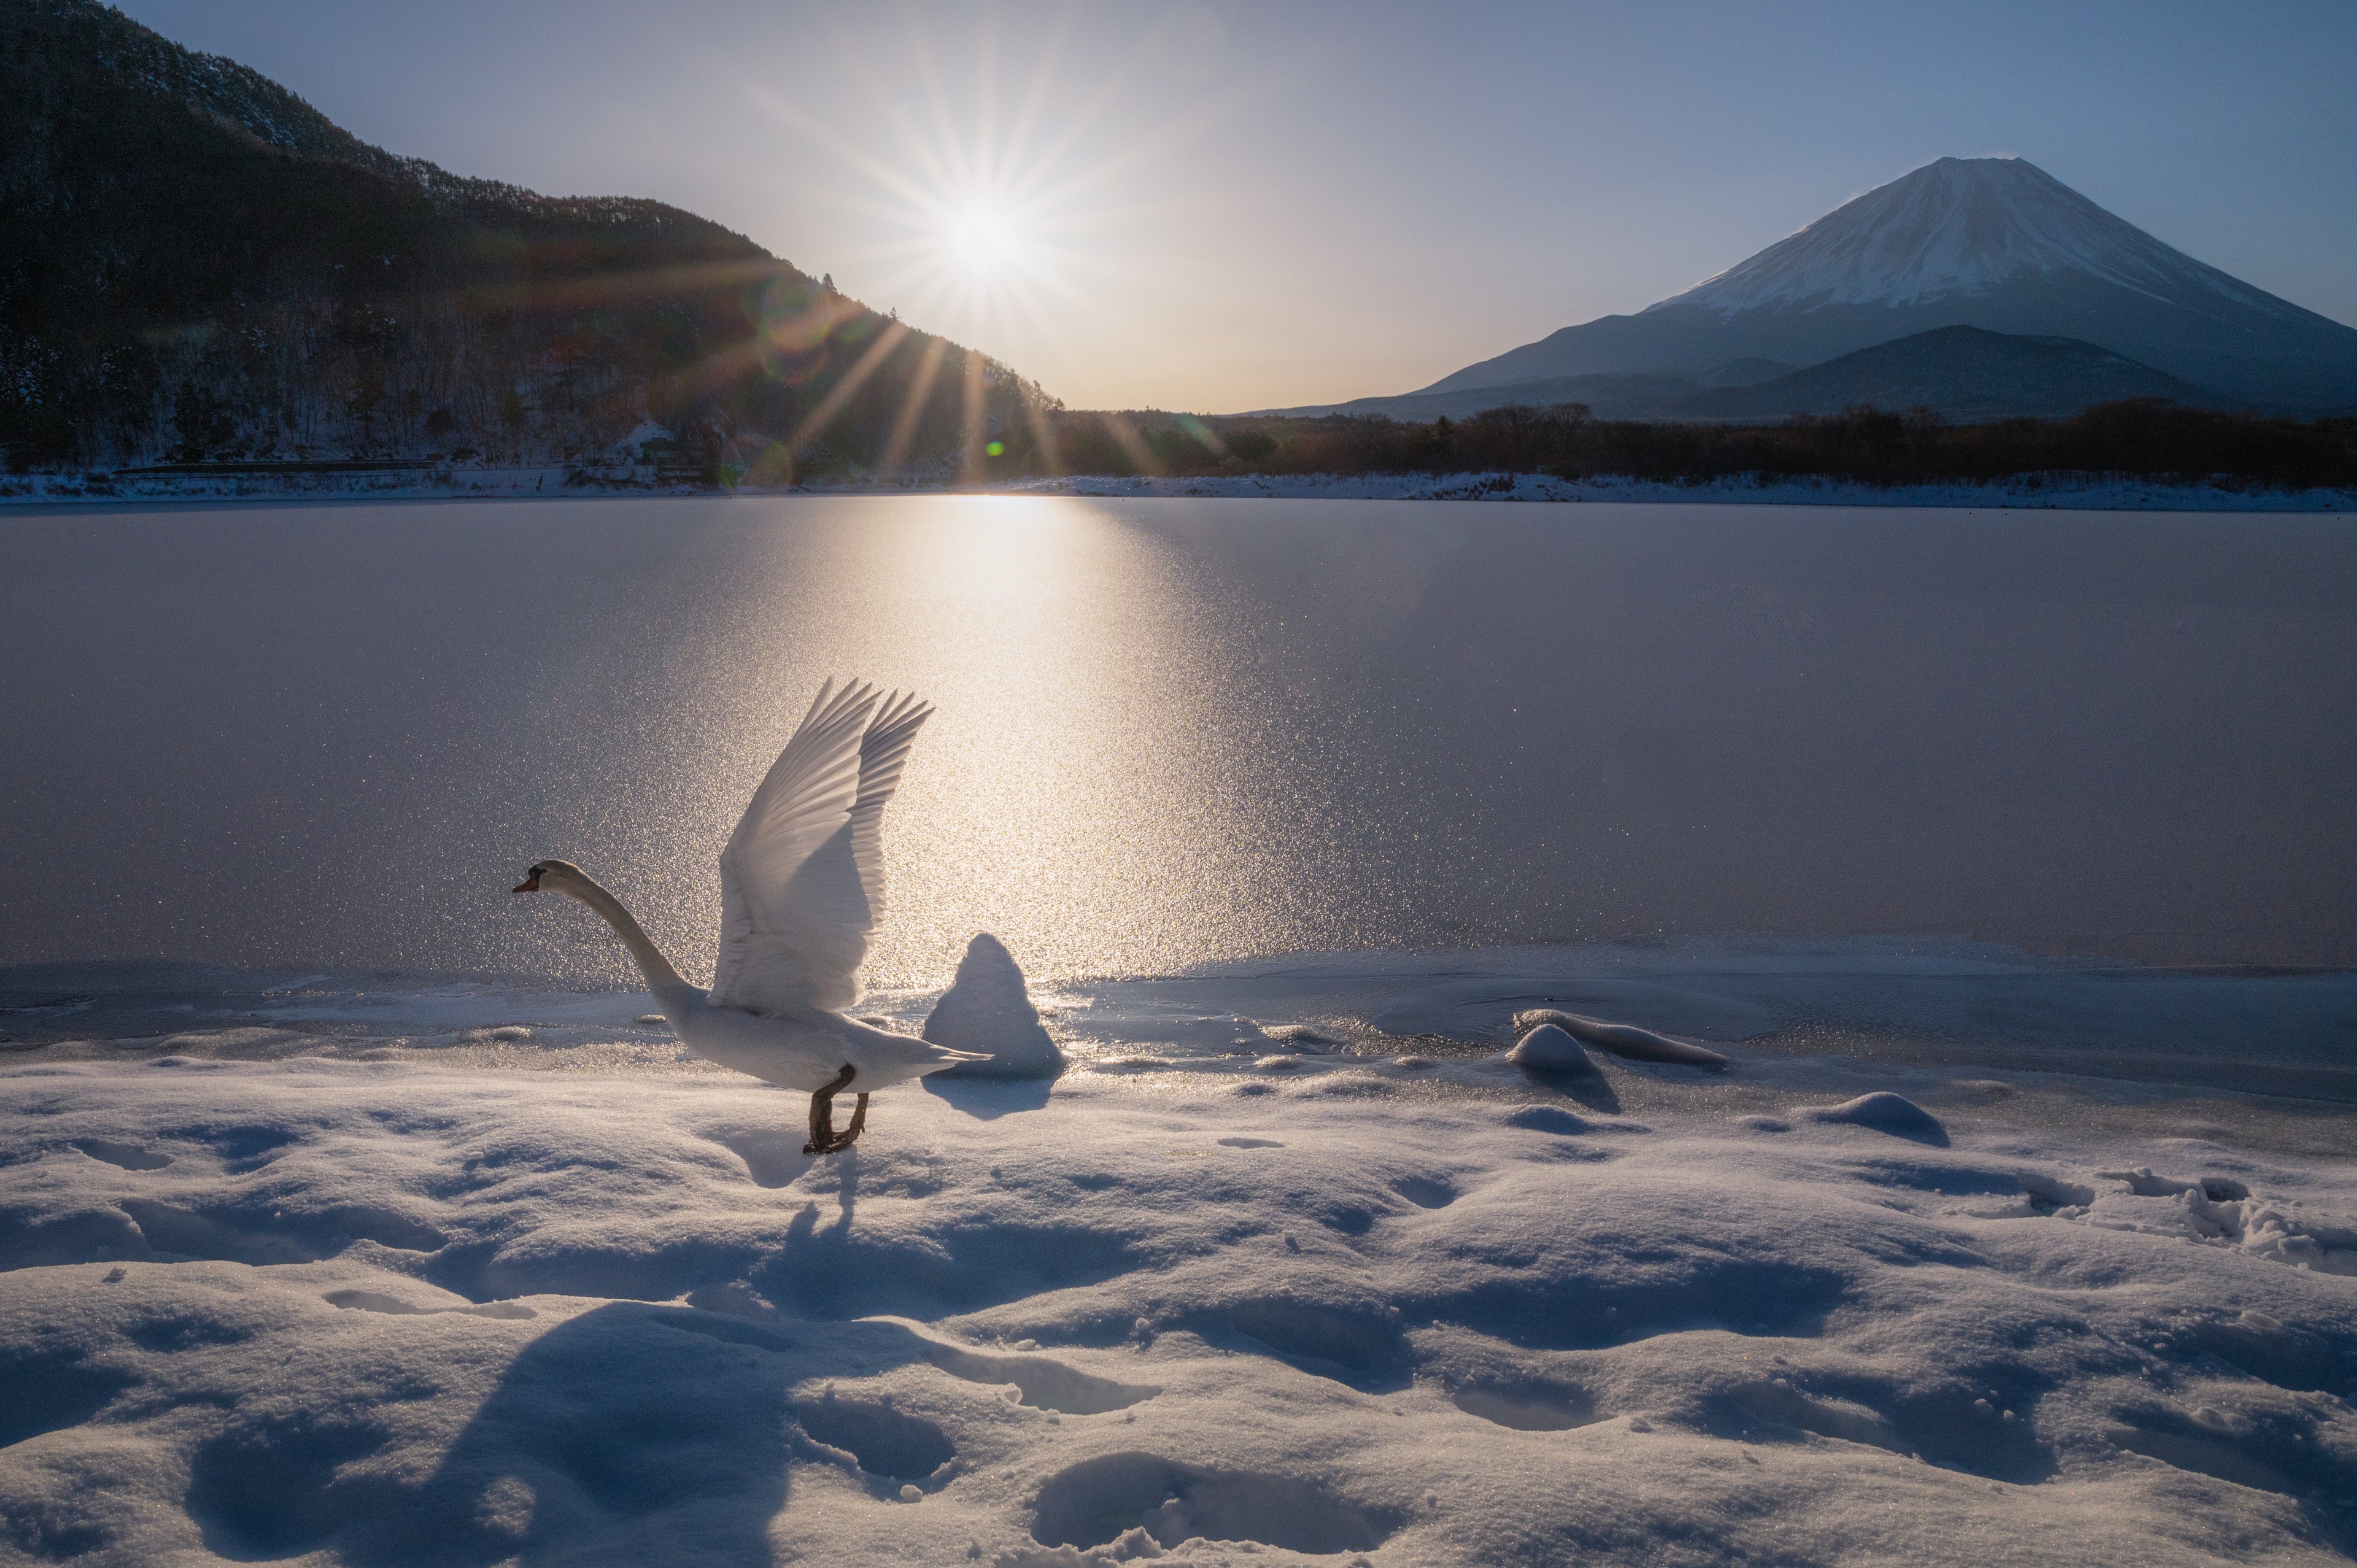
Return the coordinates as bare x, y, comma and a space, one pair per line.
1962, 227
1995, 243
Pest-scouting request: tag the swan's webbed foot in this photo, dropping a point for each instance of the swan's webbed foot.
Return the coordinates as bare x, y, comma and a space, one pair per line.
824, 1138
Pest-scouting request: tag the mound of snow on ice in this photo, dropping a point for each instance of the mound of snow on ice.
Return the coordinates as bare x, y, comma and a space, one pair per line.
989, 1010
1885, 1112
1549, 1049
1622, 1039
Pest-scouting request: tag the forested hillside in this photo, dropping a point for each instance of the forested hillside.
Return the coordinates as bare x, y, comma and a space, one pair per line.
196, 265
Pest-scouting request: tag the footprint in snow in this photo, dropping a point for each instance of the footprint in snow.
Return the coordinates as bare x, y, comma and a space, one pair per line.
130, 1157
885, 1443
1425, 1192
1527, 1406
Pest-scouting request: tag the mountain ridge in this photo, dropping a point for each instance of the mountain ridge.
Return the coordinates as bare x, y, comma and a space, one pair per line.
1995, 243
197, 265
1965, 374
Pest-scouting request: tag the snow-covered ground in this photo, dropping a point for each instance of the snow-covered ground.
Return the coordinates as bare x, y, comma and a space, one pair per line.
2070, 493
1963, 1257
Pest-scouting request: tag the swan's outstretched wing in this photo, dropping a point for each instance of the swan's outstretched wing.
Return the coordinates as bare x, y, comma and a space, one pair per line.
883, 753
802, 882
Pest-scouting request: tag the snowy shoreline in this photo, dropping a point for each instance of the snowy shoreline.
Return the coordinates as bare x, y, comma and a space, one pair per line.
1289, 1267
2066, 492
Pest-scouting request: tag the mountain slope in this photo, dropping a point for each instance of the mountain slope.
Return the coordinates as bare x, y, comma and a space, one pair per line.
1961, 372
1606, 396
195, 265
1995, 243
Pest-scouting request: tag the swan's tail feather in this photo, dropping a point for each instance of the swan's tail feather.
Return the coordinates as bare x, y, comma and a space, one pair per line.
940, 1059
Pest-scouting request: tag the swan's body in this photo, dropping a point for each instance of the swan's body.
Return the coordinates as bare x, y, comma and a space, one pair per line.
801, 885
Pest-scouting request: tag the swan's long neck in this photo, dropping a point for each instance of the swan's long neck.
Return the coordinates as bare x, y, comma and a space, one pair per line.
662, 978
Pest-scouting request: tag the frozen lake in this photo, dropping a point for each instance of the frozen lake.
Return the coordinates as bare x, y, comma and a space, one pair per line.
1980, 1245
1174, 732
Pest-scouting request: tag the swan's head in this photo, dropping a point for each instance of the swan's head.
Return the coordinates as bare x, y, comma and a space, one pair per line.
550, 876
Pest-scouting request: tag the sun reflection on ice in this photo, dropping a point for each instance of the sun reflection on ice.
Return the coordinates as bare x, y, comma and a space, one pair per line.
1084, 790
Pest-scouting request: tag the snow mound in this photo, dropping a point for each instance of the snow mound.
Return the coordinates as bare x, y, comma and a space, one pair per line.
989, 1009
1547, 1119
1548, 1048
1622, 1039
1885, 1112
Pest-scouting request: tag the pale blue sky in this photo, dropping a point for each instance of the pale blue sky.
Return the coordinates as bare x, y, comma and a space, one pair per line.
1225, 206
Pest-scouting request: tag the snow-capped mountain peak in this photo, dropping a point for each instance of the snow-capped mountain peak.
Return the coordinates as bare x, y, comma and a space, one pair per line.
1994, 243
1960, 226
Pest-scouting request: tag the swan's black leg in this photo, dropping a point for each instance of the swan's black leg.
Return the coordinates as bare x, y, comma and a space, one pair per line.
822, 1116
858, 1124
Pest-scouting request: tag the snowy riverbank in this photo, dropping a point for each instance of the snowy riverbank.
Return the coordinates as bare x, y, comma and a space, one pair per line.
2066, 493
1288, 1265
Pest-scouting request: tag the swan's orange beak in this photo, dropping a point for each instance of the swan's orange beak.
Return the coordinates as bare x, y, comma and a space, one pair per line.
531, 884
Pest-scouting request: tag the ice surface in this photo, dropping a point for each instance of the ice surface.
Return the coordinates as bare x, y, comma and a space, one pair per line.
402, 1287
1179, 731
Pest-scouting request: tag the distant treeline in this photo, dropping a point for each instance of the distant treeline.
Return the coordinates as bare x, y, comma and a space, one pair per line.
2142, 438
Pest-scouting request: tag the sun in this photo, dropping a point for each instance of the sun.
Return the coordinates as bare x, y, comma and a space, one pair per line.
995, 209
981, 237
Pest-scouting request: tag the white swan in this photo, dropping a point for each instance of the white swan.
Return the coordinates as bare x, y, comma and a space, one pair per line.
802, 884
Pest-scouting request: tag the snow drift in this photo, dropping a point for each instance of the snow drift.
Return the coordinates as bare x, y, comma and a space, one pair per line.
381, 1274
